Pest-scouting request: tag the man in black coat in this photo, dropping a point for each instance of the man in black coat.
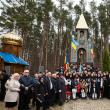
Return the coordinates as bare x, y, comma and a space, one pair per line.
54, 98
36, 83
106, 83
27, 83
49, 89
3, 78
108, 86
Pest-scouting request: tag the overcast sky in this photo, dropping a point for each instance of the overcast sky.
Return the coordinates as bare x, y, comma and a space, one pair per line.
77, 2
74, 2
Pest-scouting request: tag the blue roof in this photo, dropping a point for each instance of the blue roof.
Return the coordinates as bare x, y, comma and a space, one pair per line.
10, 58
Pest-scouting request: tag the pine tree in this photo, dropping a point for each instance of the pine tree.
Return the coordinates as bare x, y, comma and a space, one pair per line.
106, 60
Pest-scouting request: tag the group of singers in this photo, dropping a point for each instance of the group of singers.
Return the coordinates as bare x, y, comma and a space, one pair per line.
47, 89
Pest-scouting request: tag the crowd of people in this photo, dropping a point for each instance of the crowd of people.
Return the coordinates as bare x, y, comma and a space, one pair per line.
44, 90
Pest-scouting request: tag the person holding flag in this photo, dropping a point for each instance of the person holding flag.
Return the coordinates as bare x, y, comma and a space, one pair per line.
66, 62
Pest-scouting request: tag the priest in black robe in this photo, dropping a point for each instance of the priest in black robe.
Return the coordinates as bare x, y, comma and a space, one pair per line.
61, 89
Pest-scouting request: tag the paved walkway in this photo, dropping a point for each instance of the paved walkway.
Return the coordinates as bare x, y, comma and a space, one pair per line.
101, 104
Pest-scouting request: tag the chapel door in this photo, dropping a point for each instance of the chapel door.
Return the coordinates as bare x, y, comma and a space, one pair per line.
81, 55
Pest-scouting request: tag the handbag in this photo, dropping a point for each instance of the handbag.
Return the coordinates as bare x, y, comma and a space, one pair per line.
40, 98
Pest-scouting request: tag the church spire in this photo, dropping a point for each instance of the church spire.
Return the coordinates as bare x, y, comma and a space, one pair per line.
82, 24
